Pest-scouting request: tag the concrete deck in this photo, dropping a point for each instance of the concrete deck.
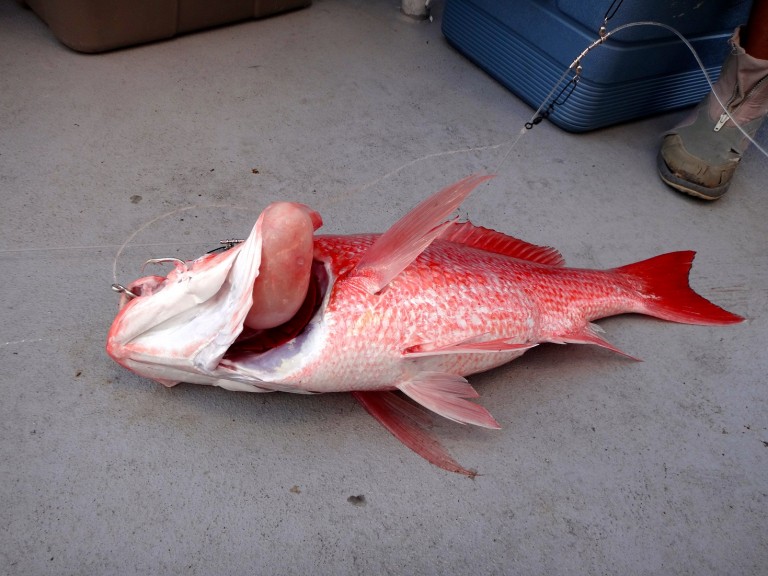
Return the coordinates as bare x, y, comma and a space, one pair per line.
603, 465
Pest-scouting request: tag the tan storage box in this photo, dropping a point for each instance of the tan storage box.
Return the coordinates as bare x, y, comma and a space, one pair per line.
100, 25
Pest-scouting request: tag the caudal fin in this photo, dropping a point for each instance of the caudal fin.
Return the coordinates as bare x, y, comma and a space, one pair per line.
664, 283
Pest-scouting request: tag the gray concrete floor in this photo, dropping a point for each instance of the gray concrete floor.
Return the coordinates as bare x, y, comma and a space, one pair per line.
603, 465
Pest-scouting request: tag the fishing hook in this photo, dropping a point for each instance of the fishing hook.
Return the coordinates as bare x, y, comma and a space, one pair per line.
226, 245
175, 261
120, 289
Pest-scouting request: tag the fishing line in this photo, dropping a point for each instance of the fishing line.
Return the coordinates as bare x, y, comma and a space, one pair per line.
434, 155
560, 92
556, 96
56, 334
99, 247
551, 101
540, 114
23, 341
157, 219
120, 249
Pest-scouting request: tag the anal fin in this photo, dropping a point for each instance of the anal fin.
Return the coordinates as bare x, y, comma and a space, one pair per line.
446, 394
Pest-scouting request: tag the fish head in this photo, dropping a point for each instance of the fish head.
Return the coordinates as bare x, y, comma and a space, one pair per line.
176, 328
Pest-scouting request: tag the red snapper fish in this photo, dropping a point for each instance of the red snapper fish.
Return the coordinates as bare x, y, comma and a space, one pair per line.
414, 310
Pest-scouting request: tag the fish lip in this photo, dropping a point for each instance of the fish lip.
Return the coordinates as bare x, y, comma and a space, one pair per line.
141, 288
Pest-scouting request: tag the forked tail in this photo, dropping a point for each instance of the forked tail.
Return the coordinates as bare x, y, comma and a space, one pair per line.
664, 284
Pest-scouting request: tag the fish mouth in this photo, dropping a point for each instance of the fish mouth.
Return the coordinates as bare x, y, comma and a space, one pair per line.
189, 326
252, 342
143, 287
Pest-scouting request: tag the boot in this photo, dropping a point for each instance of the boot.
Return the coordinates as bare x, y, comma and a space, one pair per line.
700, 155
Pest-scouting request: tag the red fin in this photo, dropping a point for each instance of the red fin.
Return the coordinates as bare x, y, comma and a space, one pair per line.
406, 422
664, 284
491, 241
394, 250
445, 394
498, 345
589, 335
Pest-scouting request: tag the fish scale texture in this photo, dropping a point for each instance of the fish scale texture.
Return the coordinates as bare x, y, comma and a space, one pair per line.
450, 294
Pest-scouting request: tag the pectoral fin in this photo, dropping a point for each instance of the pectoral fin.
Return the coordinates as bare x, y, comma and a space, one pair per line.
167, 382
445, 394
394, 250
465, 347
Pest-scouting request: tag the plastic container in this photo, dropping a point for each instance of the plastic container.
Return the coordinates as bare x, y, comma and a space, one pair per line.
100, 25
528, 44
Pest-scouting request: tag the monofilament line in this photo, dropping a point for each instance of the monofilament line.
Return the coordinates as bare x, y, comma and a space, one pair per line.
157, 219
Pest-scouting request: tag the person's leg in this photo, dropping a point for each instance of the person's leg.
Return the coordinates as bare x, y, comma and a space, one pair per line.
756, 33
700, 155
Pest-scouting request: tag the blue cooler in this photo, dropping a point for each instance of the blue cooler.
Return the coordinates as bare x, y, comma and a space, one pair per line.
528, 44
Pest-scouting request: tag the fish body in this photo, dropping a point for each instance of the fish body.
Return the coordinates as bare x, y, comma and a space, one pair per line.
415, 309
451, 295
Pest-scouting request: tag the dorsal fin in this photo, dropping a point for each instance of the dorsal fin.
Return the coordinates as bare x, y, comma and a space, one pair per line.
491, 241
394, 250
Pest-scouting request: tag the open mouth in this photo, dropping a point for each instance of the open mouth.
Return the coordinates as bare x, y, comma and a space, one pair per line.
145, 286
251, 341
